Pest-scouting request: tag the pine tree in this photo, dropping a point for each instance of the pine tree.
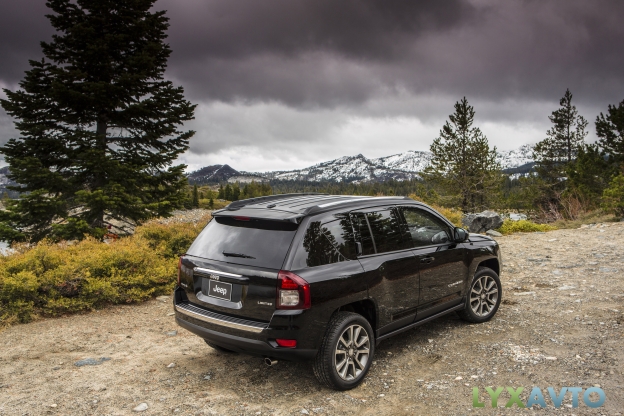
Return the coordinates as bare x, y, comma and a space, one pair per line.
557, 151
195, 199
211, 203
227, 193
613, 196
463, 164
610, 130
586, 175
221, 194
236, 191
99, 126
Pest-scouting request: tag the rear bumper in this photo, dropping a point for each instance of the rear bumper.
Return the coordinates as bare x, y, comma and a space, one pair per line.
237, 334
247, 345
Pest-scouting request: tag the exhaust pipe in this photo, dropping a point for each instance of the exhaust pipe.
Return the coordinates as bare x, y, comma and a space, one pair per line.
270, 362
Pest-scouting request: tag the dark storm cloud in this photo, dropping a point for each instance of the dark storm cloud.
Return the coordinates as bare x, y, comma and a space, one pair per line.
299, 51
352, 28
278, 74
328, 52
23, 26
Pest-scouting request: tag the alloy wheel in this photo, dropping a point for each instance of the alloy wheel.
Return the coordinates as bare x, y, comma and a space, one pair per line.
483, 295
352, 352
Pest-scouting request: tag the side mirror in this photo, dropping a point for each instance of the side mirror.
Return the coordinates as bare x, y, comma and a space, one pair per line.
460, 235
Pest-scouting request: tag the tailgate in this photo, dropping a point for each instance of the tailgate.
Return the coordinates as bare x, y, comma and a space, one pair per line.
234, 290
233, 265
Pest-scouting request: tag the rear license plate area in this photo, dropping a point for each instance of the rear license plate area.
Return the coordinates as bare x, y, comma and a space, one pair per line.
216, 289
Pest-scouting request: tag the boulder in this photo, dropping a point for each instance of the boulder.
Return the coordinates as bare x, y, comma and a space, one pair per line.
481, 222
517, 217
493, 233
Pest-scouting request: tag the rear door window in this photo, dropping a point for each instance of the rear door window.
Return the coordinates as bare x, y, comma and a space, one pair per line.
250, 242
362, 233
425, 228
388, 233
326, 242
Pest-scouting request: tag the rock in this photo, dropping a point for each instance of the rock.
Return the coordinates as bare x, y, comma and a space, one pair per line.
459, 378
171, 365
172, 333
207, 377
517, 217
567, 287
140, 408
493, 233
305, 412
524, 293
479, 223
91, 361
53, 405
165, 299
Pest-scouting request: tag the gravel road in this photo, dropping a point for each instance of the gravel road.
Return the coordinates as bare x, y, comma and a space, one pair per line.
560, 324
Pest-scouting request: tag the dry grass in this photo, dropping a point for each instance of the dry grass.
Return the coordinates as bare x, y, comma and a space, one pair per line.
52, 279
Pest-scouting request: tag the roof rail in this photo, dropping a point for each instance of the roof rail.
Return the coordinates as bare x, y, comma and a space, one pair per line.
233, 206
317, 208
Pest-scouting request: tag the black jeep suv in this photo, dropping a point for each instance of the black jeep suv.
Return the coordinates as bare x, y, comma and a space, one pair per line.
326, 278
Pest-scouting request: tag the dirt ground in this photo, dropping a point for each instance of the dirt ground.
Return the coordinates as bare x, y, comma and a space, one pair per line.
560, 325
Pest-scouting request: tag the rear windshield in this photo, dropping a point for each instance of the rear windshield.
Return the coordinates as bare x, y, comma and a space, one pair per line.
253, 242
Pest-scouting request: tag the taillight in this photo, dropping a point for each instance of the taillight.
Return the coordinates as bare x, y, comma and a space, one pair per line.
179, 269
292, 291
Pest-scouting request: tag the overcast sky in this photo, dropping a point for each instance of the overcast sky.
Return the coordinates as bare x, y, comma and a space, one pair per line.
284, 84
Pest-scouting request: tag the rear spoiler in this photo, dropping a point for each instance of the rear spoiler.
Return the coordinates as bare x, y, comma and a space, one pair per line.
260, 214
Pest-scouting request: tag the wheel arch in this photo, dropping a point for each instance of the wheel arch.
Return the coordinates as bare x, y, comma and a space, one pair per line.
364, 307
491, 264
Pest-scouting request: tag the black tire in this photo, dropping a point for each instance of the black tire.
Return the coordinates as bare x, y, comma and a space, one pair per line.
219, 348
476, 303
356, 362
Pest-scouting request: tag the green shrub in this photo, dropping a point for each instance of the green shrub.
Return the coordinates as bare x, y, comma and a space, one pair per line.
53, 279
523, 226
454, 215
613, 197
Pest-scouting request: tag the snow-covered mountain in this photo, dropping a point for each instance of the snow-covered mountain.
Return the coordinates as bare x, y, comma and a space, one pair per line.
359, 168
401, 166
515, 158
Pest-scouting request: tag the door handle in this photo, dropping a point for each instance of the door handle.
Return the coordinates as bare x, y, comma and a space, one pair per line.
427, 260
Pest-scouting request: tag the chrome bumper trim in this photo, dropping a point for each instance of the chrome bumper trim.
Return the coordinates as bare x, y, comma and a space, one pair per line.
218, 319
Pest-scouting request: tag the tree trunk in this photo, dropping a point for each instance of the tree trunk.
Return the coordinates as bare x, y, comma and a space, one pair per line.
100, 176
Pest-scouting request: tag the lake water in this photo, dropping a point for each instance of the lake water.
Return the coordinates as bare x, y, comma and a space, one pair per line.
3, 248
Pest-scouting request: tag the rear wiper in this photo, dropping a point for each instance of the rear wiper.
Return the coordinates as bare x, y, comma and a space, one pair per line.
228, 254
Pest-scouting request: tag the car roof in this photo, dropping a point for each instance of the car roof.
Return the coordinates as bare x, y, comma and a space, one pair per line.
293, 207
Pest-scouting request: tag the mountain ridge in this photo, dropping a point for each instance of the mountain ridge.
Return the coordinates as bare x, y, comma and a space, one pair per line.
401, 166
